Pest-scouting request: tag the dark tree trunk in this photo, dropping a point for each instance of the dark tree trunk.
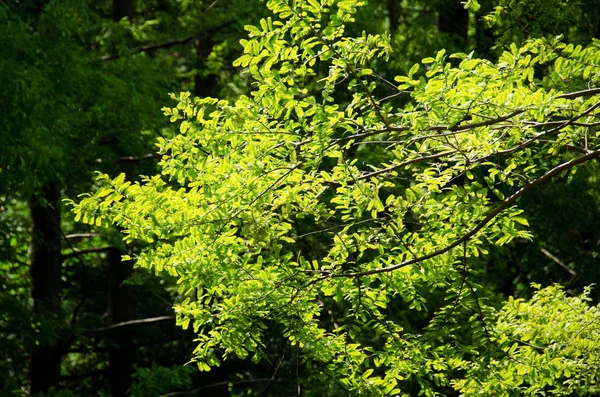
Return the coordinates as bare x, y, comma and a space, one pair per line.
205, 82
120, 295
393, 10
46, 283
484, 37
122, 9
454, 20
120, 309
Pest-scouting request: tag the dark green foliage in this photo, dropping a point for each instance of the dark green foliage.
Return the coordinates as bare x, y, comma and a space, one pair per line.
67, 111
158, 380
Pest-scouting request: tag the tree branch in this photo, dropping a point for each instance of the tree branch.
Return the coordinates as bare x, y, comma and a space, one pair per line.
577, 94
86, 251
217, 384
130, 323
132, 159
491, 215
558, 262
405, 163
536, 137
81, 235
466, 127
170, 43
559, 125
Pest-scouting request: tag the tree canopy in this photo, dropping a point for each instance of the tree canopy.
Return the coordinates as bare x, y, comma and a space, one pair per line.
347, 221
384, 198
81, 87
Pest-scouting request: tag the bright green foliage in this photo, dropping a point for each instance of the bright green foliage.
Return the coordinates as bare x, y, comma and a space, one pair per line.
550, 345
288, 209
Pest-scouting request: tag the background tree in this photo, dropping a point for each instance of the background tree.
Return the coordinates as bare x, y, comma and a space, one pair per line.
82, 86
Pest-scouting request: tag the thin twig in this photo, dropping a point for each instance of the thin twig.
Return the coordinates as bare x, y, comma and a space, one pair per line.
558, 262
81, 235
78, 252
130, 323
216, 384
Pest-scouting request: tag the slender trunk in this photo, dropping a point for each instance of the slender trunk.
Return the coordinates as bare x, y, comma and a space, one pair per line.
120, 295
393, 10
120, 309
454, 20
484, 36
205, 82
37, 6
122, 9
46, 284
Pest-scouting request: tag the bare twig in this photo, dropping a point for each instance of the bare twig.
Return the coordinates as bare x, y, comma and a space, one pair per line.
75, 236
216, 384
78, 252
131, 159
150, 320
558, 262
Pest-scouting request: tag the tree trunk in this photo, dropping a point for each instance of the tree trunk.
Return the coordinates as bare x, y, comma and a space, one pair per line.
484, 36
205, 82
454, 20
120, 309
393, 10
122, 9
120, 296
46, 283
